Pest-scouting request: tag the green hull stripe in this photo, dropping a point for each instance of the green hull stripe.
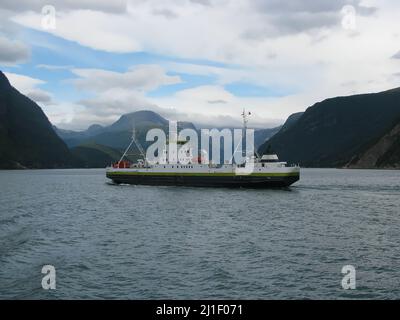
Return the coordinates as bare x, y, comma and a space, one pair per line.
286, 174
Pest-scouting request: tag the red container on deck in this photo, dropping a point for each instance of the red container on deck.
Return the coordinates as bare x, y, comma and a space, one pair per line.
122, 165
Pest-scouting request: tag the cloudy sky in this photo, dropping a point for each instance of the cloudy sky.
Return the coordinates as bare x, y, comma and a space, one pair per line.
197, 60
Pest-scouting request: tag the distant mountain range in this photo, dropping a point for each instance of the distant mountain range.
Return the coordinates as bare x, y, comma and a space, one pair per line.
95, 156
28, 140
118, 135
360, 131
87, 145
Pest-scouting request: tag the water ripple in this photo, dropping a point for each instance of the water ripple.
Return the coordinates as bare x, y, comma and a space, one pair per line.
138, 242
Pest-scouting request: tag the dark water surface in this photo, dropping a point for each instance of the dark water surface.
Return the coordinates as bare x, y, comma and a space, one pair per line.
139, 242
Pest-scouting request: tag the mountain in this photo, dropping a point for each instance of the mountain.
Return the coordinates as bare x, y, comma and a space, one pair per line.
94, 129
332, 132
95, 155
384, 153
118, 135
262, 135
27, 139
139, 119
291, 120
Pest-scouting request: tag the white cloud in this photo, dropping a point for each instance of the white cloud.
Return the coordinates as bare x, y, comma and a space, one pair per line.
216, 31
267, 112
12, 51
23, 83
52, 67
298, 46
115, 102
40, 96
205, 93
116, 93
114, 6
396, 56
102, 31
137, 78
29, 87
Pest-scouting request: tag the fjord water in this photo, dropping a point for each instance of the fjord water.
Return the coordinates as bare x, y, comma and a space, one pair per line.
139, 242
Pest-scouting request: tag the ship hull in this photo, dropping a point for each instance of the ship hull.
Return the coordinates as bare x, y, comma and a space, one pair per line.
206, 180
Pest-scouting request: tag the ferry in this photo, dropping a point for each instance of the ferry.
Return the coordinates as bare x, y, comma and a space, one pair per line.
265, 171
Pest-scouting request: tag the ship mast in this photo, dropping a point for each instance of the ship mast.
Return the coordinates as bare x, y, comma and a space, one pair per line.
138, 145
245, 115
245, 119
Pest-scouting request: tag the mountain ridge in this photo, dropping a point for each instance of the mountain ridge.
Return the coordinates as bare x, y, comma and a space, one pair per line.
359, 131
332, 131
27, 139
383, 153
142, 120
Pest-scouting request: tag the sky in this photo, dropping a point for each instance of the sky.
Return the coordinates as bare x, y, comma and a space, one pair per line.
90, 61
